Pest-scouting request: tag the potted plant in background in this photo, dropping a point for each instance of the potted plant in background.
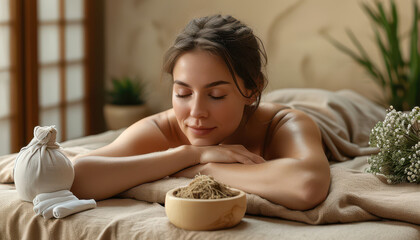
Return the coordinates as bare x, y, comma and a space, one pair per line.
401, 78
127, 104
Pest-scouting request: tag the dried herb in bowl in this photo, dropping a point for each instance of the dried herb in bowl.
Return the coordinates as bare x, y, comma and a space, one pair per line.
205, 187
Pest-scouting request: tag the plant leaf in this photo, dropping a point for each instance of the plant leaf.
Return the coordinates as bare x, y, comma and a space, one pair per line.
371, 13
414, 75
366, 61
386, 58
391, 30
126, 92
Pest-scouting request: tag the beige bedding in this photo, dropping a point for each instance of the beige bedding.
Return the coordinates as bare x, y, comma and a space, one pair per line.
131, 219
354, 196
361, 205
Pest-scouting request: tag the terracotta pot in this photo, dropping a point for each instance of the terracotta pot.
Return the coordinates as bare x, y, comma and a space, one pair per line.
205, 214
122, 116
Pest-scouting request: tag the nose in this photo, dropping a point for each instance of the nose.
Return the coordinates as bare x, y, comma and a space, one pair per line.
198, 108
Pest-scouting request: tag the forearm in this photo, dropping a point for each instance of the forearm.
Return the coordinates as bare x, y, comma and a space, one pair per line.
102, 177
286, 182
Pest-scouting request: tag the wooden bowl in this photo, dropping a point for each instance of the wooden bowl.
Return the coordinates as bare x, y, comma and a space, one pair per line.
205, 214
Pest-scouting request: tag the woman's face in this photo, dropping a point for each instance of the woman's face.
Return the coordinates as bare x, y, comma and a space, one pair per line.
207, 104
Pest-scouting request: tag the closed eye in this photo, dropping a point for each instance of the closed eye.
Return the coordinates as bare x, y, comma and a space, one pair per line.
218, 98
182, 95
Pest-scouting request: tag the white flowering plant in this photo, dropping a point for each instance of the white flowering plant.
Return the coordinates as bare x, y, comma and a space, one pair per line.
398, 140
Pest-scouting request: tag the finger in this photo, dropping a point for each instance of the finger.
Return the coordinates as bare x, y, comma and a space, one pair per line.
242, 157
258, 159
254, 158
249, 162
241, 149
235, 157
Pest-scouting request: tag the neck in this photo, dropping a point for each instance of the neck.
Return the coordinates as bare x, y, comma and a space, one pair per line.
238, 134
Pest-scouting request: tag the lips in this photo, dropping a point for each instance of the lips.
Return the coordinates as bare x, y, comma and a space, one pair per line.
200, 131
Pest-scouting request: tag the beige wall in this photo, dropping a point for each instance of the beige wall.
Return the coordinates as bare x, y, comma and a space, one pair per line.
139, 32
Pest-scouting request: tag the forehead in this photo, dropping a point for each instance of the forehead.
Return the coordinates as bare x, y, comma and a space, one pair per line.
200, 65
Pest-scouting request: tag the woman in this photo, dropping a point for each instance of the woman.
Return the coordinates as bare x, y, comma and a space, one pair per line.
216, 127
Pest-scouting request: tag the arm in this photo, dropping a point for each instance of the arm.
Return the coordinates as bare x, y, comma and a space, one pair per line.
283, 182
297, 176
144, 152
101, 177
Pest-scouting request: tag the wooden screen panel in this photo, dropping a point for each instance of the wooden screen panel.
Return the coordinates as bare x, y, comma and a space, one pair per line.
5, 77
30, 77
17, 128
22, 90
11, 77
5, 119
62, 94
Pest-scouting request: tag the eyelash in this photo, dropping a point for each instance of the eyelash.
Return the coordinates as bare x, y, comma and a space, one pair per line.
182, 96
218, 98
215, 98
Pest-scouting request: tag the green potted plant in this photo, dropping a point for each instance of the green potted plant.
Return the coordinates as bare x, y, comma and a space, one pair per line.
126, 104
401, 78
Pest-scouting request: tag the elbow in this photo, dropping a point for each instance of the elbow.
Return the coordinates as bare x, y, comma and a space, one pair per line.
313, 192
306, 193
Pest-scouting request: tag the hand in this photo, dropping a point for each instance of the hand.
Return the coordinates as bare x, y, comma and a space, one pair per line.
227, 154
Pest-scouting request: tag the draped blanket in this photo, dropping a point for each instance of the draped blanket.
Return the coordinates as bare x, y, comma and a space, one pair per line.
345, 118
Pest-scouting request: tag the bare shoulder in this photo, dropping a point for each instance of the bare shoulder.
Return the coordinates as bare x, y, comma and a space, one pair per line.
151, 134
292, 133
277, 114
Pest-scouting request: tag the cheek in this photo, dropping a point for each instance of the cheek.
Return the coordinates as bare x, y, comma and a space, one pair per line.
180, 109
230, 114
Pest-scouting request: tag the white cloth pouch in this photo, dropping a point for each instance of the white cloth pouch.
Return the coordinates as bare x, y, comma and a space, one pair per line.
41, 167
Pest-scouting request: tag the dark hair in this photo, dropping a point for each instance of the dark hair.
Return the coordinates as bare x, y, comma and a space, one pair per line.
234, 42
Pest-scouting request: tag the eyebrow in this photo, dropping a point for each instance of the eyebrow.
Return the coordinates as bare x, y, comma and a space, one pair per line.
213, 84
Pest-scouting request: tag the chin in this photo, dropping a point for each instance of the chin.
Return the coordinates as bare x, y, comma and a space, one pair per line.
203, 142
